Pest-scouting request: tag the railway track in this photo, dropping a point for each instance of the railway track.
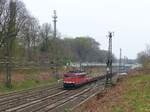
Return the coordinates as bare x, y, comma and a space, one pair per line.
50, 102
18, 98
48, 99
29, 90
76, 100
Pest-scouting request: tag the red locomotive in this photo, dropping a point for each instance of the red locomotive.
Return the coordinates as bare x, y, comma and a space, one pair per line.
75, 78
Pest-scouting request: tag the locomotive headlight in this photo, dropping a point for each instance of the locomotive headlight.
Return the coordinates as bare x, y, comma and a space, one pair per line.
69, 82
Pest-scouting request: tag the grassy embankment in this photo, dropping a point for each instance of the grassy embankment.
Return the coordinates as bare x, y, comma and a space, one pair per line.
131, 94
136, 98
27, 78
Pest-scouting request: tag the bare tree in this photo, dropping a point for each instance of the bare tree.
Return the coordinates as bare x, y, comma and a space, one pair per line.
29, 35
13, 14
46, 34
144, 57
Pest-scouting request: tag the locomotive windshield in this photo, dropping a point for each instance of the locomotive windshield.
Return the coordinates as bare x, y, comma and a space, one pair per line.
73, 76
76, 71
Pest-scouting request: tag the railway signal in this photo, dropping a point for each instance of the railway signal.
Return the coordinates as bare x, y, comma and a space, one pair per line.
109, 60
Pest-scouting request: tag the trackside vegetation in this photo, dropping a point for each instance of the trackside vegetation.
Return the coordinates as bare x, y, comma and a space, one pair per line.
130, 94
136, 96
23, 79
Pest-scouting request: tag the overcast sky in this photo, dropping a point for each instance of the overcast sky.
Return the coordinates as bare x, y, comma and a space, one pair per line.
129, 19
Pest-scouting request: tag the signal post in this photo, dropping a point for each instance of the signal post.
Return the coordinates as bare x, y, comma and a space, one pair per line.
109, 60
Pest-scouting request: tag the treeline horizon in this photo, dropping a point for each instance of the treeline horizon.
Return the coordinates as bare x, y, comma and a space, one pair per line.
35, 43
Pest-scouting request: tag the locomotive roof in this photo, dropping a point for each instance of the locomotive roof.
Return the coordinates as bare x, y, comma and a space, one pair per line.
75, 73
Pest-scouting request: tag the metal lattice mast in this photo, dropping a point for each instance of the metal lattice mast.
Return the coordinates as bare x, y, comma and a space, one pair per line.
109, 60
55, 21
55, 52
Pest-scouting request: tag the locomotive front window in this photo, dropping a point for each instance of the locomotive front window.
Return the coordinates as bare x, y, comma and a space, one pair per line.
75, 76
76, 71
70, 76
66, 76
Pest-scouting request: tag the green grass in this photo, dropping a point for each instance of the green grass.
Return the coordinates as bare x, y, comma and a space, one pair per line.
31, 71
30, 78
138, 94
27, 84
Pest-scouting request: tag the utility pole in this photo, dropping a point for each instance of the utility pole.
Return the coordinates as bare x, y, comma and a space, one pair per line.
120, 61
124, 63
9, 41
109, 60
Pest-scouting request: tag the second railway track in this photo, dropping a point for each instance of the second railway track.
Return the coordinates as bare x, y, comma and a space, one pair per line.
50, 102
18, 98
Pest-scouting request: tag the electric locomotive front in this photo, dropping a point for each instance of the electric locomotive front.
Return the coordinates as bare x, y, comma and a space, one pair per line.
74, 79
